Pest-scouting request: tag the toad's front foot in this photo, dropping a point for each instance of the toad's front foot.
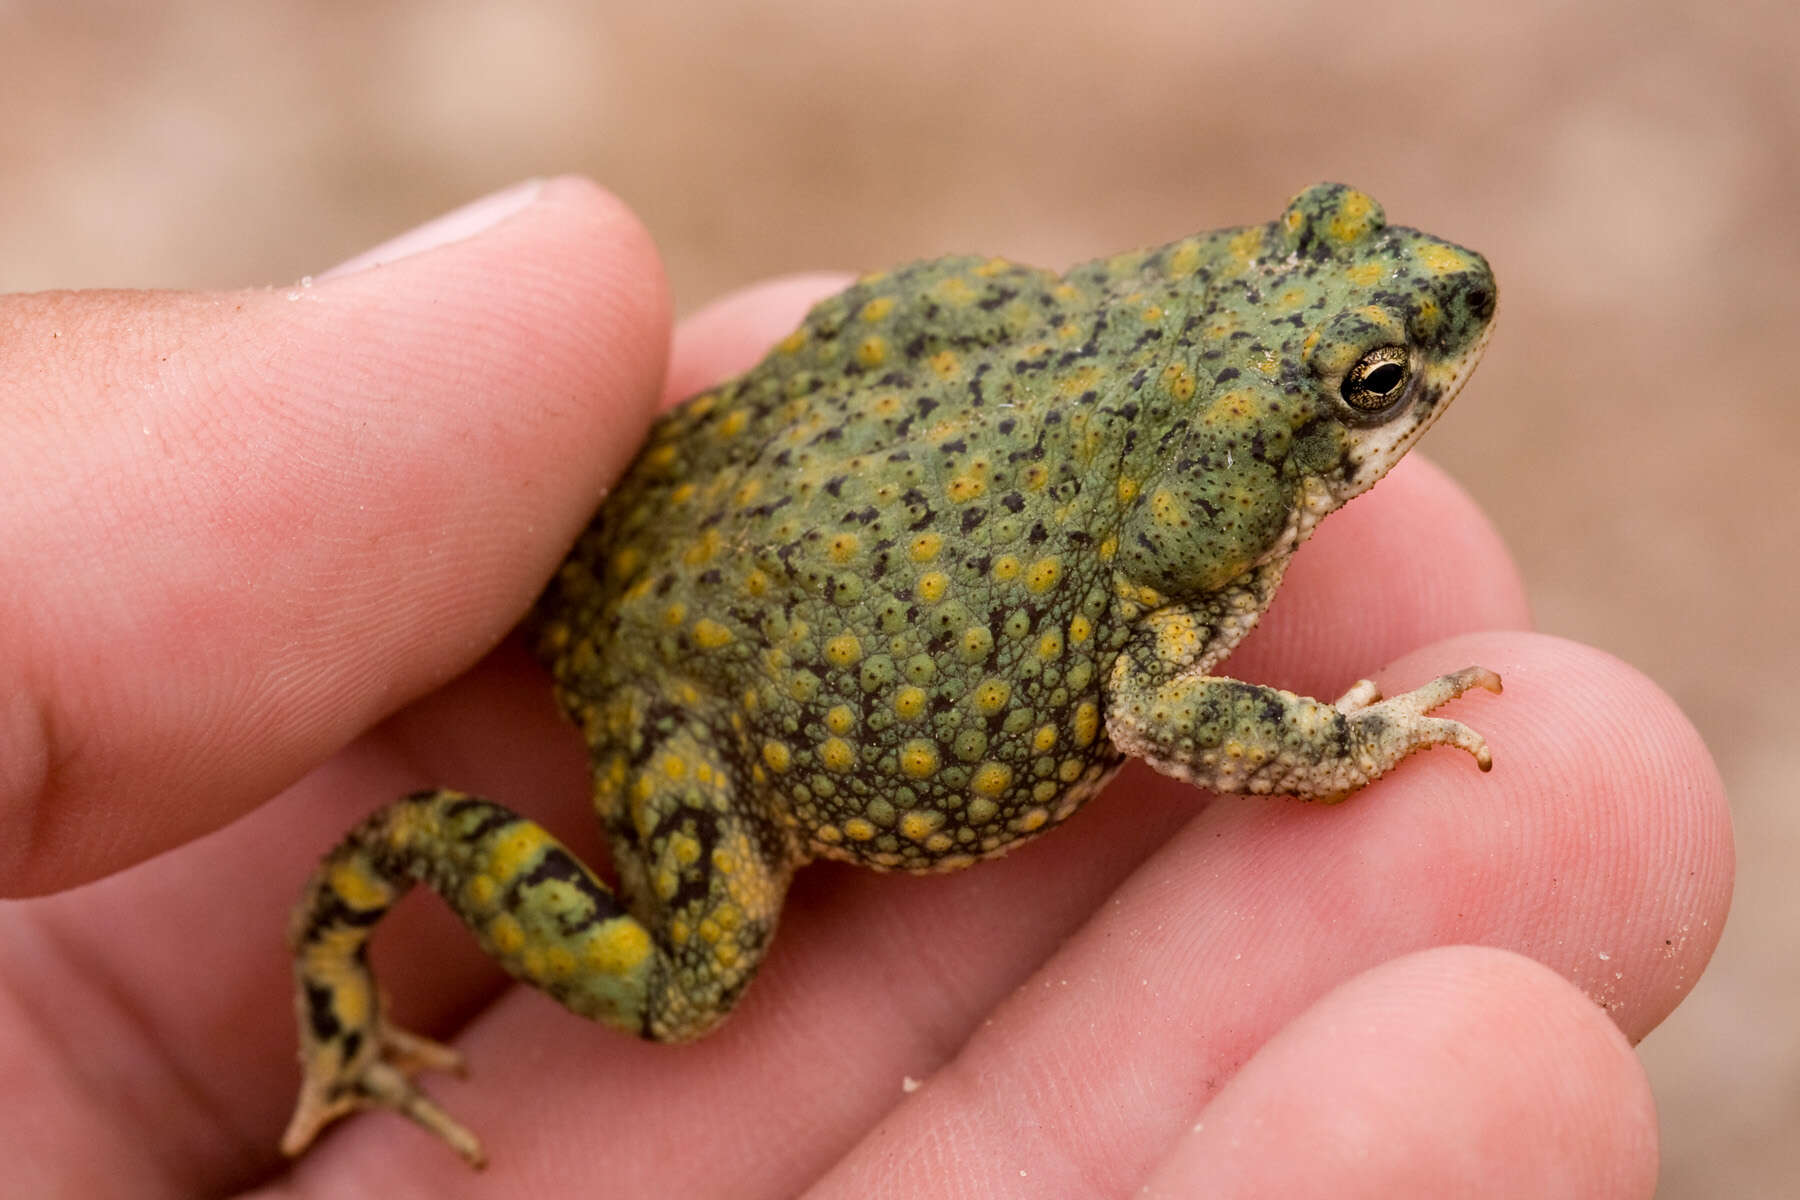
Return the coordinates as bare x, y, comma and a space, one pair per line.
1239, 737
378, 1075
1400, 724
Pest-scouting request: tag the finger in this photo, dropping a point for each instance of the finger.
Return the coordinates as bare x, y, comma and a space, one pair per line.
1599, 845
1456, 1072
251, 524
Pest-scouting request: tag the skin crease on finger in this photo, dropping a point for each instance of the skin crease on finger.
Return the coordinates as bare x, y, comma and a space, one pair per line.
226, 544
889, 967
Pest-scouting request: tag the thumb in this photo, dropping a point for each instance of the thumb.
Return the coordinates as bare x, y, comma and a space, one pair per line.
241, 527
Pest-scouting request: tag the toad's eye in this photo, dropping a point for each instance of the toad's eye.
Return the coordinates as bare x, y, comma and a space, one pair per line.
1377, 381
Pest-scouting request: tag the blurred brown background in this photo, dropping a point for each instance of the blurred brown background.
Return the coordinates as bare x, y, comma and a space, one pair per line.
1630, 168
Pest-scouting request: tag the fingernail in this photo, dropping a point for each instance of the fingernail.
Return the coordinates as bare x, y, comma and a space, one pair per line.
454, 226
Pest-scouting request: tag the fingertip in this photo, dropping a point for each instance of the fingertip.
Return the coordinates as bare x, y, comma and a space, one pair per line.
1454, 1071
1609, 805
730, 334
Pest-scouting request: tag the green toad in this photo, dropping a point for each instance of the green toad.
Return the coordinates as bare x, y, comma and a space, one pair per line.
908, 591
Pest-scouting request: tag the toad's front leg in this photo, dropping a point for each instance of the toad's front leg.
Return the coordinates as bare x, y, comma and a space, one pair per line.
1231, 736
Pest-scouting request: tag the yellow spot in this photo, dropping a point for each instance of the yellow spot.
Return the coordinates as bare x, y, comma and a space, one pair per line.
1050, 645
684, 849
976, 642
844, 650
625, 562
710, 635
1248, 244
1044, 740
859, 829
1429, 317
1109, 546
955, 292
993, 266
937, 843
1179, 380
480, 891
1152, 313
1127, 488
840, 719
945, 364
1354, 217
1185, 259
618, 947
991, 696
925, 547
1440, 259
1365, 274
1006, 567
991, 779
965, 488
917, 824
842, 547
733, 423
682, 494
505, 935
837, 755
872, 352
909, 703
1043, 574
1086, 724
792, 342
1290, 299
931, 586
877, 308
674, 767
660, 457
829, 833
704, 549
1079, 629
1035, 477
358, 888
675, 614
756, 582
777, 755
1069, 770
1031, 819
919, 758
514, 848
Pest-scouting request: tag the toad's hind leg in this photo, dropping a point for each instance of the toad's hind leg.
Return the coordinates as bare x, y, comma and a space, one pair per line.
543, 915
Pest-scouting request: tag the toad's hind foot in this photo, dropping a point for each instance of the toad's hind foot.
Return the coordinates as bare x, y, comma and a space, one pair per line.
378, 1076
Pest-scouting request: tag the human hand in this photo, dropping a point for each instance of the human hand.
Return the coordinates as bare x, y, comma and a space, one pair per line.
251, 527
